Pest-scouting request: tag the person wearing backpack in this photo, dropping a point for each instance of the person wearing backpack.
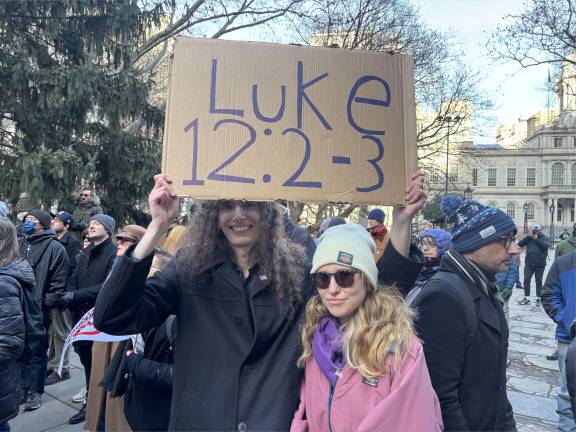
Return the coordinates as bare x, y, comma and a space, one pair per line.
15, 275
461, 322
49, 260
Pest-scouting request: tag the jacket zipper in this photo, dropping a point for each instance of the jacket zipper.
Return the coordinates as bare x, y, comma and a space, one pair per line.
330, 397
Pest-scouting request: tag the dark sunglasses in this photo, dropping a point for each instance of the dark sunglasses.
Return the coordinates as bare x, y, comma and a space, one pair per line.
344, 278
122, 240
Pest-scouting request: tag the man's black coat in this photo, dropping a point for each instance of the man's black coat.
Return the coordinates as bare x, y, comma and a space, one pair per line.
468, 374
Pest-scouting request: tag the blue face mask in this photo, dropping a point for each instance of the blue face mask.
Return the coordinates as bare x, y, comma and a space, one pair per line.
28, 227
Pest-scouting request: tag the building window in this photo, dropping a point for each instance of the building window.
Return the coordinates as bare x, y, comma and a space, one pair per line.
573, 174
492, 204
453, 173
530, 211
557, 174
559, 212
475, 176
511, 210
574, 142
558, 142
491, 176
511, 178
531, 177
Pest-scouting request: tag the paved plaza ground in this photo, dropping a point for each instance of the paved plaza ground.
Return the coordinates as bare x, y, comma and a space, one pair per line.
532, 380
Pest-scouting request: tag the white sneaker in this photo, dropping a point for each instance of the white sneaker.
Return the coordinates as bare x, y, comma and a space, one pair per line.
80, 397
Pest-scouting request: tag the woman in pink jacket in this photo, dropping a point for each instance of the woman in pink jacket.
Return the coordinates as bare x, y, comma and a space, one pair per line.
365, 368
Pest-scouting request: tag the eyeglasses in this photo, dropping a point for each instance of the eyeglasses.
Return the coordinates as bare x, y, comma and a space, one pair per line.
84, 195
428, 242
507, 241
344, 278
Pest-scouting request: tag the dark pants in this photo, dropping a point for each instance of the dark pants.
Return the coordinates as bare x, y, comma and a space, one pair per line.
4, 427
84, 351
538, 272
34, 367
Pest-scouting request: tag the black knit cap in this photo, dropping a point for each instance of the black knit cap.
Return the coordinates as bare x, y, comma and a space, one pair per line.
44, 218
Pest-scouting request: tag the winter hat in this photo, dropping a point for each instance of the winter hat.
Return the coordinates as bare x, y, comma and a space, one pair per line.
4, 210
350, 245
107, 221
44, 218
443, 239
475, 225
66, 218
537, 226
324, 225
377, 214
132, 232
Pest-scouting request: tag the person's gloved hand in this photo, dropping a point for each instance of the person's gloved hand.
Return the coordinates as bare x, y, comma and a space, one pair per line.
51, 300
506, 294
66, 300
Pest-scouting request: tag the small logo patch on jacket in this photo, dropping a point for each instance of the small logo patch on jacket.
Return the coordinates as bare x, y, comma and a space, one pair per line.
372, 382
345, 258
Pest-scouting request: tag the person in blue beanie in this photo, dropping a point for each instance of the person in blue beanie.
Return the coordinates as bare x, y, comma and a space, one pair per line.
505, 282
461, 321
434, 243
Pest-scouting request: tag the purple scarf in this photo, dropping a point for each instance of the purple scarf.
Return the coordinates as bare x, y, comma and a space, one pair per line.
327, 348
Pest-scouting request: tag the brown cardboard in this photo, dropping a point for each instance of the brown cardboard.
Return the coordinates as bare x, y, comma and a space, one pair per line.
210, 103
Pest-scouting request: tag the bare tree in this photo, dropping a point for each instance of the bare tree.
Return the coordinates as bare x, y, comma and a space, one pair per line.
543, 33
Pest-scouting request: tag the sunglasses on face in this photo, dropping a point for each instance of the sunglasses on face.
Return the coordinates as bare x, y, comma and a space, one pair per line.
344, 278
122, 240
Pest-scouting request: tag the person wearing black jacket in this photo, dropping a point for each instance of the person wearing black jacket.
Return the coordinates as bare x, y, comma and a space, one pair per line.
50, 263
537, 245
61, 324
238, 301
15, 276
461, 322
148, 398
94, 264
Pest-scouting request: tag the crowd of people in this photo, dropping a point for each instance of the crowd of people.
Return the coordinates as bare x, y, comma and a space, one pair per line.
241, 321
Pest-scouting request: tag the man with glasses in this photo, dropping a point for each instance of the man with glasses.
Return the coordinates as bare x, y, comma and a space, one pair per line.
537, 245
461, 321
88, 206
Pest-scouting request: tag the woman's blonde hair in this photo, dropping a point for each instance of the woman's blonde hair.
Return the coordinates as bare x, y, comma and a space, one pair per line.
382, 324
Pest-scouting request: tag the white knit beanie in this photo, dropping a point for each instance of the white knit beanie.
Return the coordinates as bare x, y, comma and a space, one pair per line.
349, 245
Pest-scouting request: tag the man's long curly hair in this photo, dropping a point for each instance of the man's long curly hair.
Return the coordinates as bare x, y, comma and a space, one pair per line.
282, 261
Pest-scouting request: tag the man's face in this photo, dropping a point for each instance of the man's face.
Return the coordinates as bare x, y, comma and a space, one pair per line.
38, 228
96, 231
373, 223
58, 226
240, 222
85, 196
496, 256
429, 248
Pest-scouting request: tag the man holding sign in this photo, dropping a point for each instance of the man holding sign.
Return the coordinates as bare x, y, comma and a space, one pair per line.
238, 288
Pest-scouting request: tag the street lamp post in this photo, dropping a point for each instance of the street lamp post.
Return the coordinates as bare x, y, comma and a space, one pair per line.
468, 192
525, 208
448, 120
552, 208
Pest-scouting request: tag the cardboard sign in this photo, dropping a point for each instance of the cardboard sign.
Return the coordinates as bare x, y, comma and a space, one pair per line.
262, 121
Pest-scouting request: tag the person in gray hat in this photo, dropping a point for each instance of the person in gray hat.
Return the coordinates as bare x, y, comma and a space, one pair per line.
94, 264
50, 263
